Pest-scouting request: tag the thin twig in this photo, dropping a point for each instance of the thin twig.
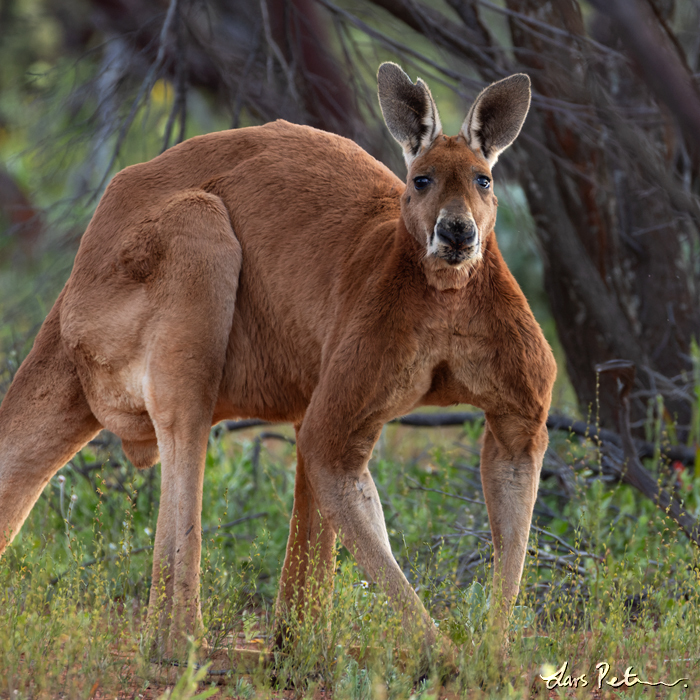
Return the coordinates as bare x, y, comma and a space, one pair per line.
179, 108
146, 87
420, 487
564, 543
288, 72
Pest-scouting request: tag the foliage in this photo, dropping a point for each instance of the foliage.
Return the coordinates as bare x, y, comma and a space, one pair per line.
608, 578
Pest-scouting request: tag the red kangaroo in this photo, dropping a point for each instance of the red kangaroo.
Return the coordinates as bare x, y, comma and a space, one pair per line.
282, 273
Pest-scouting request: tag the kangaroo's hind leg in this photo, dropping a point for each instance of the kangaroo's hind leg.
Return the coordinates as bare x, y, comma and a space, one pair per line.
44, 420
306, 583
194, 293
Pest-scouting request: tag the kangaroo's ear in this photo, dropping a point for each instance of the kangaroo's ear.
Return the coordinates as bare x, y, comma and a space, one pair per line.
409, 110
497, 116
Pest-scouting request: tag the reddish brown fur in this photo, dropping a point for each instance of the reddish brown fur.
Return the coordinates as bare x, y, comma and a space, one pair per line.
280, 272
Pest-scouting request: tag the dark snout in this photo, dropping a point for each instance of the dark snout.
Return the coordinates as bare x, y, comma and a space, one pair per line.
457, 233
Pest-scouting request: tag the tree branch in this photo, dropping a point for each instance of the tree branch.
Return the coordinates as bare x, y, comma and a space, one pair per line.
661, 67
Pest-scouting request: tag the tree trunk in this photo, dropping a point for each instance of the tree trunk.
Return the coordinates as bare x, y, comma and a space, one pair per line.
600, 186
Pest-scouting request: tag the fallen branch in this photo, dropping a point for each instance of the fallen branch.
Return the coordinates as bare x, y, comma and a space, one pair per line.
644, 449
625, 463
627, 467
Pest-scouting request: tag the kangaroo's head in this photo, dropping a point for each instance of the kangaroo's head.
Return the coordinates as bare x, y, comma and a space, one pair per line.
449, 205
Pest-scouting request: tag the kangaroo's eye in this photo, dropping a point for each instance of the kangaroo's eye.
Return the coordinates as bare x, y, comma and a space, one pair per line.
421, 182
483, 182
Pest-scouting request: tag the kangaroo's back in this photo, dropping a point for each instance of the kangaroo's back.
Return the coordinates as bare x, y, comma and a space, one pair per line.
300, 202
279, 181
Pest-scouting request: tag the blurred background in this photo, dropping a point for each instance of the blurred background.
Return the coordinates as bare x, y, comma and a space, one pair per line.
599, 207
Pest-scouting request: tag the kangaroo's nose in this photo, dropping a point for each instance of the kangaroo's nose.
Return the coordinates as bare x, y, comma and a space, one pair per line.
458, 233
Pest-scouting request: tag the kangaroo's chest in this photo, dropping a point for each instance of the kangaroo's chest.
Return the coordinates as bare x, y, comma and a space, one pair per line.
452, 362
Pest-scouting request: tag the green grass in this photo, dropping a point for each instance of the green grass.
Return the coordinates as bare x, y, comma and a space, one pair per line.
609, 579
